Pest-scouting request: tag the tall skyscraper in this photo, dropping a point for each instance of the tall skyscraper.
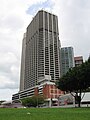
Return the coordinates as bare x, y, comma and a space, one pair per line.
40, 51
67, 59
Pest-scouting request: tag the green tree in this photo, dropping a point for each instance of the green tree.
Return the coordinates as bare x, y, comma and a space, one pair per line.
33, 101
76, 80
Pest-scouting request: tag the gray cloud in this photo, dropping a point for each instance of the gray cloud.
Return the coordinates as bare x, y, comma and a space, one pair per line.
13, 22
74, 30
9, 71
74, 24
6, 94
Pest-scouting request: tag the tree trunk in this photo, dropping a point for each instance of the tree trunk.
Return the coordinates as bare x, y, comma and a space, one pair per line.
79, 99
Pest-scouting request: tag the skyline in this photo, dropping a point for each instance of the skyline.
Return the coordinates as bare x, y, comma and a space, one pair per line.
74, 24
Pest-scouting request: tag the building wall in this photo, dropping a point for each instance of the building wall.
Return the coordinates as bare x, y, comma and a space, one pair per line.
67, 59
47, 89
36, 91
22, 73
78, 60
42, 51
51, 91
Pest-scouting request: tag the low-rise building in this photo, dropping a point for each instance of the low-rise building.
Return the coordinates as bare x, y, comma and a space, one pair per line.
11, 104
47, 89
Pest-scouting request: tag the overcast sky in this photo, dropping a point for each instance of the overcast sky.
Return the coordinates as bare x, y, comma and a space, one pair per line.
15, 15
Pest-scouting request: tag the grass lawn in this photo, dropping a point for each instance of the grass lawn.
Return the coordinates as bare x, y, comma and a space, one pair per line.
45, 114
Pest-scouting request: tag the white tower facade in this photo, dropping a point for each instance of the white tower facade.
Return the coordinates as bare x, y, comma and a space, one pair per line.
41, 50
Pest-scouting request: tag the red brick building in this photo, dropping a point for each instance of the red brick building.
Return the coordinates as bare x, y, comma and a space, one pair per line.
50, 92
47, 89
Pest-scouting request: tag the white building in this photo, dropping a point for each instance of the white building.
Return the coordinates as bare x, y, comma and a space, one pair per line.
40, 53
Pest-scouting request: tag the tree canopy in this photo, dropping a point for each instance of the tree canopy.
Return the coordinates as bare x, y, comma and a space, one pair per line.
77, 79
33, 101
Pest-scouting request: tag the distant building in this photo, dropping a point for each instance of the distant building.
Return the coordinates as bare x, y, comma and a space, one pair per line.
66, 99
47, 89
67, 59
70, 99
40, 62
86, 98
40, 50
78, 60
11, 104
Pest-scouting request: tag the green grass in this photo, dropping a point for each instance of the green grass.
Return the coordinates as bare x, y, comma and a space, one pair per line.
45, 114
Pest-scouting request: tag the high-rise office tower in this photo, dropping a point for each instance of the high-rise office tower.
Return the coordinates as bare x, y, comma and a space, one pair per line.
41, 51
67, 59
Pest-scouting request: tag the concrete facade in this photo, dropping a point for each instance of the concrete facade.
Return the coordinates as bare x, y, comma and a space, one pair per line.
42, 49
48, 89
40, 62
67, 59
23, 63
78, 60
